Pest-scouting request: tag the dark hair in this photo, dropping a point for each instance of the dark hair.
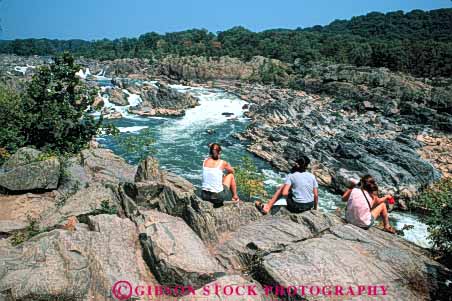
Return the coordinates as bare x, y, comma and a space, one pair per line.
368, 183
214, 153
301, 164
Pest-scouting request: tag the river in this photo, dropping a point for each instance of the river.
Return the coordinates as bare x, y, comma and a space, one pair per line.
181, 144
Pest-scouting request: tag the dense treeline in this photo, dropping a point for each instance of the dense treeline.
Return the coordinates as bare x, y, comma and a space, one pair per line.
417, 42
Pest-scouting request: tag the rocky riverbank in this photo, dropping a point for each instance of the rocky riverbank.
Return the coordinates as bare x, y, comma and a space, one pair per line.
106, 221
350, 120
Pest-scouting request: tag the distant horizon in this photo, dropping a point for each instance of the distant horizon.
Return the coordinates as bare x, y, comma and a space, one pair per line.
103, 19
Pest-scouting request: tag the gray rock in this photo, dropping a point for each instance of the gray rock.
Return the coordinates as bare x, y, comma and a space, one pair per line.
23, 156
270, 234
161, 190
32, 176
102, 165
92, 200
212, 223
118, 97
78, 265
148, 170
174, 253
353, 257
18, 211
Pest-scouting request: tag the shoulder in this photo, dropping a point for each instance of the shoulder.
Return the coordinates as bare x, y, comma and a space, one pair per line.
311, 175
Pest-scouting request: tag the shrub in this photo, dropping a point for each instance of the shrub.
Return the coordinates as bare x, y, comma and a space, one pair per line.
437, 200
30, 231
136, 146
250, 182
12, 117
52, 114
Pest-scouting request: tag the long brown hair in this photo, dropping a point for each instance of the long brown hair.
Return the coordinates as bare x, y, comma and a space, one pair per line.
368, 183
215, 151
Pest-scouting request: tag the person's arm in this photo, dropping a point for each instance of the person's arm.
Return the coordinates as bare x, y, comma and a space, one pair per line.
228, 167
286, 190
316, 198
346, 195
377, 201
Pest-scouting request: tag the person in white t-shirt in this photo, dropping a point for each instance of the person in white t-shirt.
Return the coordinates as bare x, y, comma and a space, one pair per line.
364, 207
300, 190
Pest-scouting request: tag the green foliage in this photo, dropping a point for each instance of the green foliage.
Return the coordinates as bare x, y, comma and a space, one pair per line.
52, 114
30, 231
105, 208
437, 200
416, 42
139, 146
11, 115
250, 182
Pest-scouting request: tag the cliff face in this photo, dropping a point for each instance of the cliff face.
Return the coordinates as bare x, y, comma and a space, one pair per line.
149, 227
223, 68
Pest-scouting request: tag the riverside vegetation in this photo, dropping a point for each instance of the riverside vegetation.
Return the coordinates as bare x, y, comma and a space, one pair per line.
108, 220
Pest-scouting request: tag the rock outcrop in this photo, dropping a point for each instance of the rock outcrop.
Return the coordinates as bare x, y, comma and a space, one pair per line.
162, 100
163, 234
378, 89
29, 170
118, 97
341, 144
74, 265
195, 68
174, 253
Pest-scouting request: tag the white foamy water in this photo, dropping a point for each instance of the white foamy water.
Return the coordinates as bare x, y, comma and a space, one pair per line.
206, 115
131, 129
418, 234
132, 99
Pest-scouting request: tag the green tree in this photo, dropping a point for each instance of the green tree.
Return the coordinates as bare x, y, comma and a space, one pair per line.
437, 200
52, 114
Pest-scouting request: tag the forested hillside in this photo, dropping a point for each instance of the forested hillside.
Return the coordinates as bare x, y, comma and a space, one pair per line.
417, 42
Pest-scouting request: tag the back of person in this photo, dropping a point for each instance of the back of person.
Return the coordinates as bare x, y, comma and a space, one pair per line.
303, 184
212, 175
358, 211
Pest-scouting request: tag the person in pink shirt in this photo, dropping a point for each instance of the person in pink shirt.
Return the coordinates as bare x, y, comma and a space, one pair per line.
363, 207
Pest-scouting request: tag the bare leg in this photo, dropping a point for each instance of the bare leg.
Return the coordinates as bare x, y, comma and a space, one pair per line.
383, 211
229, 181
273, 200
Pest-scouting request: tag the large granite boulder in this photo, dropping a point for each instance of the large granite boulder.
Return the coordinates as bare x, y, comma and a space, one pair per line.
74, 265
211, 224
174, 253
92, 200
22, 156
29, 170
161, 190
18, 211
328, 257
270, 234
103, 166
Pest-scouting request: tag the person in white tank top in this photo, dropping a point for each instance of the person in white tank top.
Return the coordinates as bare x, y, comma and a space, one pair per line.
217, 187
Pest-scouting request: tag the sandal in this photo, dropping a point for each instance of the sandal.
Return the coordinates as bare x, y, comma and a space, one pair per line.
390, 230
260, 206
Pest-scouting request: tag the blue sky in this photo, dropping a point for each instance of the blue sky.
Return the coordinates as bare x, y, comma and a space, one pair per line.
96, 19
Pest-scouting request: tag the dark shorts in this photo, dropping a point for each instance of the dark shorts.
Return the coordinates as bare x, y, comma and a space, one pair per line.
296, 207
217, 198
372, 220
